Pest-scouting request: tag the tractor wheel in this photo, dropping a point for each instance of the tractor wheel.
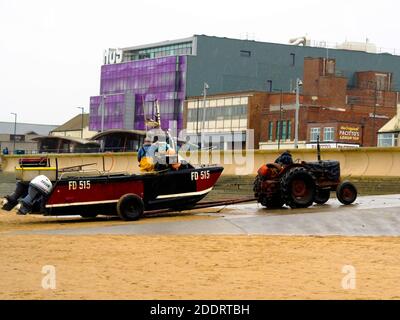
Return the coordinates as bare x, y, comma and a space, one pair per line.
272, 203
257, 186
346, 193
298, 188
130, 207
88, 215
322, 196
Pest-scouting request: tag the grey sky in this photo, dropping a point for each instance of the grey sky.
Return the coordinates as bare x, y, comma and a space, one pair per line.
51, 51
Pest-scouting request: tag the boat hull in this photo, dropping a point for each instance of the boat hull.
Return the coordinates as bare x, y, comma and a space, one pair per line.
100, 194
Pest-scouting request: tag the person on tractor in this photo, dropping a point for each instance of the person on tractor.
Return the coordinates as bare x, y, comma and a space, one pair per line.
285, 159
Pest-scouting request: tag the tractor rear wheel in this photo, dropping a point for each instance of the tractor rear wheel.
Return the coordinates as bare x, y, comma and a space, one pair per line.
298, 188
272, 203
346, 193
130, 207
322, 196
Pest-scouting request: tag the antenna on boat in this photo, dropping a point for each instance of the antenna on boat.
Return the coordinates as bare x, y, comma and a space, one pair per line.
155, 123
144, 114
158, 117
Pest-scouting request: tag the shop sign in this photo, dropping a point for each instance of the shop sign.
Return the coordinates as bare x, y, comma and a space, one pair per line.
349, 133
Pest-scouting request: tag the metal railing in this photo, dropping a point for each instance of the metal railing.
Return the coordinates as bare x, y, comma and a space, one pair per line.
58, 151
337, 45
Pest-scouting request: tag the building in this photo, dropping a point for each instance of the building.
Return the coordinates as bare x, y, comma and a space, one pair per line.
338, 114
172, 71
120, 140
226, 120
23, 139
388, 135
65, 144
77, 127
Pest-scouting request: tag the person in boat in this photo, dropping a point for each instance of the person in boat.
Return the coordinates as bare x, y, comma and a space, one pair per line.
285, 159
145, 158
150, 155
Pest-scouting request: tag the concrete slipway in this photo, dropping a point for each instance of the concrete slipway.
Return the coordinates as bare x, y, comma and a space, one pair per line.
369, 216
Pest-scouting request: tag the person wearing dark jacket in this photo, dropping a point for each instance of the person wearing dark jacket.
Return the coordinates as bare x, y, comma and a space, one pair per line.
285, 159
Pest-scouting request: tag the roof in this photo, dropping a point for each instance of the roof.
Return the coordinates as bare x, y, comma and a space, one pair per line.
159, 44
71, 139
393, 125
74, 124
112, 131
26, 128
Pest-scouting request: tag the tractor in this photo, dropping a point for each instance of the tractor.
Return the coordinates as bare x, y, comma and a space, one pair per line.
299, 184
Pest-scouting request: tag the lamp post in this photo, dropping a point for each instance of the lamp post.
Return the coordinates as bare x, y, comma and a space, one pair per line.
375, 87
205, 87
279, 128
83, 109
296, 128
15, 128
197, 124
103, 98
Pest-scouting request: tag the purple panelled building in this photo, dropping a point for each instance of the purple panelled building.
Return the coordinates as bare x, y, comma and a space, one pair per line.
128, 91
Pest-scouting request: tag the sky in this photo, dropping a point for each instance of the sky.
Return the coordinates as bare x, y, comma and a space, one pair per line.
51, 51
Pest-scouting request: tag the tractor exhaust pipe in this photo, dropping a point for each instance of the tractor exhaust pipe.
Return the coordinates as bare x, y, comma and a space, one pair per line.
318, 150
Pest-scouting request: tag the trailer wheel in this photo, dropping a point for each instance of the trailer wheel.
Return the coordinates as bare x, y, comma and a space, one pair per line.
346, 193
322, 196
130, 207
298, 188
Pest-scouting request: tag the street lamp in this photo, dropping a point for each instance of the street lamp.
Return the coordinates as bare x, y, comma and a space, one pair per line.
279, 128
205, 87
15, 128
375, 86
296, 128
83, 109
103, 98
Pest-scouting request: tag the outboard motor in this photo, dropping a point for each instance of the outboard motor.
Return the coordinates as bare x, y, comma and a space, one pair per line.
39, 187
11, 200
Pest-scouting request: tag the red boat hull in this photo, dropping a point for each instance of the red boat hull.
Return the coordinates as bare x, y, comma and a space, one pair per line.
99, 194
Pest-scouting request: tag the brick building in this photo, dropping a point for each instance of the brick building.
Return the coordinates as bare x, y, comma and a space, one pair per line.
339, 114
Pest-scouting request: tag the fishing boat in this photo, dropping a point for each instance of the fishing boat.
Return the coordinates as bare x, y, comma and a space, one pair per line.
44, 188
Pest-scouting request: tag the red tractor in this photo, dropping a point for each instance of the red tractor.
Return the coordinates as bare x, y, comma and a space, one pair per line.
300, 184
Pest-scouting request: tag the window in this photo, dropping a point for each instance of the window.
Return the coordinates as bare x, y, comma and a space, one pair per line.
293, 59
329, 134
270, 130
289, 129
245, 53
387, 139
269, 85
277, 130
315, 133
380, 81
284, 130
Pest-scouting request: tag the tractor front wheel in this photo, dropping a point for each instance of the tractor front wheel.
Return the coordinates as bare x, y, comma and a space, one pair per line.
346, 193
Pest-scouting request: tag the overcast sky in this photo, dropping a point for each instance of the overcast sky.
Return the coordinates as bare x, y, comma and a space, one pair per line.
51, 51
